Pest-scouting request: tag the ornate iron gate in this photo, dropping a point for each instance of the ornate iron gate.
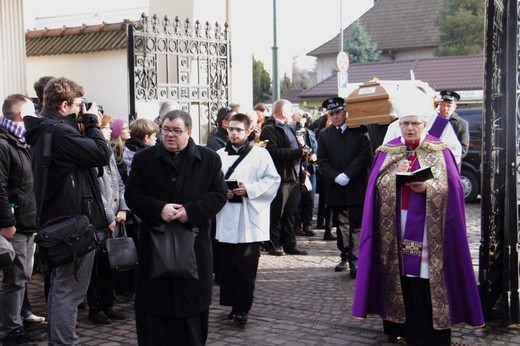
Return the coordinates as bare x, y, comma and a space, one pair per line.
170, 60
498, 260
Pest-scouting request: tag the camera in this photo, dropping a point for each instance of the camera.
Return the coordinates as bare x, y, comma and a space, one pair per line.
88, 104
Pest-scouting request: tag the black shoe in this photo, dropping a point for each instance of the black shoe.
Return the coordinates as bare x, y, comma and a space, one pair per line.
341, 266
308, 232
276, 251
82, 306
114, 314
240, 317
395, 339
296, 251
231, 315
99, 318
353, 270
16, 337
320, 226
329, 236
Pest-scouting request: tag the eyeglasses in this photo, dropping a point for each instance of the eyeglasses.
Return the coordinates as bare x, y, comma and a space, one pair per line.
235, 129
408, 123
174, 131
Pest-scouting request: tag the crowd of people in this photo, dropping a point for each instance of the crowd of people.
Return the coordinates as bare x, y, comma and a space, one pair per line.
251, 188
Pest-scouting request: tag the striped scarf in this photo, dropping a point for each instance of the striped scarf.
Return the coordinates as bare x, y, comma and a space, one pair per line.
16, 130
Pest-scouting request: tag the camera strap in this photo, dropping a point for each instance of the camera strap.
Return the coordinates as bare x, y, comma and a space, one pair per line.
46, 161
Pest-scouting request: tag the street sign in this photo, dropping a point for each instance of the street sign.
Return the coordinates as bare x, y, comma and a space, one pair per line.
342, 61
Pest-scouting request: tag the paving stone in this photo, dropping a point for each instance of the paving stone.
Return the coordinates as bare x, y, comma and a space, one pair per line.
299, 300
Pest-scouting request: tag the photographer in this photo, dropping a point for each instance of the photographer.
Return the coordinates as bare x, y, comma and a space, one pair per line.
71, 189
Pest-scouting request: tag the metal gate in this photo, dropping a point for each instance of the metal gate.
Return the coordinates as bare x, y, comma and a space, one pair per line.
498, 259
171, 60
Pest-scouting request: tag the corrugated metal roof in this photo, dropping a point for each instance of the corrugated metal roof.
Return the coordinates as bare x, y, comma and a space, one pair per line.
453, 73
81, 39
394, 25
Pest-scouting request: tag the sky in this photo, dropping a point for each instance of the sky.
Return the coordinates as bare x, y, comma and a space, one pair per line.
302, 25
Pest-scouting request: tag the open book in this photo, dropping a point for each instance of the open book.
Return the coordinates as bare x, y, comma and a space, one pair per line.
422, 174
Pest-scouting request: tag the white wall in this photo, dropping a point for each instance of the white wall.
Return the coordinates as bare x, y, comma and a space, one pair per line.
103, 76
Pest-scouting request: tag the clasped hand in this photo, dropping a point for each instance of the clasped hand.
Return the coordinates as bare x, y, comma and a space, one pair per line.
174, 211
342, 179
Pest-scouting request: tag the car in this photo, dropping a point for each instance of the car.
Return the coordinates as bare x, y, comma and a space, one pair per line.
471, 163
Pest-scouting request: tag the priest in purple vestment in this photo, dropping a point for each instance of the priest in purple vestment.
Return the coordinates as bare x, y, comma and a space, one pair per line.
414, 267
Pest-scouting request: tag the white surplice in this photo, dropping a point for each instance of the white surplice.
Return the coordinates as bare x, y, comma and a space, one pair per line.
248, 221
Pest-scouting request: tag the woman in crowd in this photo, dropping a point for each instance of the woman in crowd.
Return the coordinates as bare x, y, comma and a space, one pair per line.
120, 134
100, 293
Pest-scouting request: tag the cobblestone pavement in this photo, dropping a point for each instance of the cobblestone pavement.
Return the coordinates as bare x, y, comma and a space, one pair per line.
299, 300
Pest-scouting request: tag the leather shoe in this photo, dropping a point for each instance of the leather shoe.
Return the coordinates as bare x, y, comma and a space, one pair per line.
353, 270
231, 315
341, 266
114, 314
329, 236
99, 318
296, 251
308, 232
240, 317
276, 251
32, 318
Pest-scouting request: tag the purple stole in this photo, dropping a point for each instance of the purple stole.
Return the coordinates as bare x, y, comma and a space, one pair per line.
438, 126
412, 242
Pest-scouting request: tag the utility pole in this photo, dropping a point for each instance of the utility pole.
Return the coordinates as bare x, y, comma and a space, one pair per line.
276, 80
340, 26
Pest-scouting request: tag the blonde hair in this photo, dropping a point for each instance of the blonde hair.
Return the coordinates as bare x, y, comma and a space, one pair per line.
141, 127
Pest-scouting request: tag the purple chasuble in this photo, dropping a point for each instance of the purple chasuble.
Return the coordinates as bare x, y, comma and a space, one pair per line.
458, 274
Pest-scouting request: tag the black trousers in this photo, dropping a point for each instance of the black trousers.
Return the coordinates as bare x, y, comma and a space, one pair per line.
418, 327
168, 330
283, 209
100, 293
239, 263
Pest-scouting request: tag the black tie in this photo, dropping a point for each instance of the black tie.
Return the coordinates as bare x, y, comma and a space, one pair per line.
340, 130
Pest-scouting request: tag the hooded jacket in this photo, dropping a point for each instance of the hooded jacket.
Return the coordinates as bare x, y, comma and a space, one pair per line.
71, 187
16, 185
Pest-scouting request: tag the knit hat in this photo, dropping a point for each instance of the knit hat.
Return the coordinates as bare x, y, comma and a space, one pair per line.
116, 126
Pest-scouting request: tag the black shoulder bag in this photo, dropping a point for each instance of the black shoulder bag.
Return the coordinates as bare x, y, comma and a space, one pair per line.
65, 239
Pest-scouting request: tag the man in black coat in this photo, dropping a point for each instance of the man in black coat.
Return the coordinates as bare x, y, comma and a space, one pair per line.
287, 153
17, 214
344, 158
71, 189
176, 181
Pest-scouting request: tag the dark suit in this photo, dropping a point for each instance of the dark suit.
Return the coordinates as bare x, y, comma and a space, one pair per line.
349, 153
194, 180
